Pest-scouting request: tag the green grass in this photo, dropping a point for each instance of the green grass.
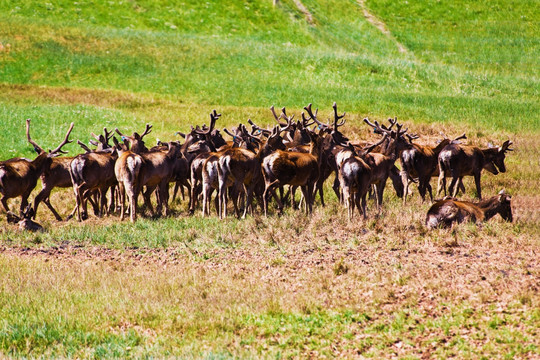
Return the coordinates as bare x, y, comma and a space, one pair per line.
277, 287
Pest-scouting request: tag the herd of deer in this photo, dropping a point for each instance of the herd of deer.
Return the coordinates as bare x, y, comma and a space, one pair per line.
253, 165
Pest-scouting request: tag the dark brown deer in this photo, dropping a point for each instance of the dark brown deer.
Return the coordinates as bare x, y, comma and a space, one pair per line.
457, 160
57, 175
293, 168
444, 213
19, 176
206, 141
383, 163
355, 178
420, 161
157, 168
127, 169
327, 164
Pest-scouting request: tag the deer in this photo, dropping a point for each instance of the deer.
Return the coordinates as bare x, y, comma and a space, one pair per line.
19, 176
281, 167
238, 168
420, 161
209, 140
156, 170
327, 164
382, 164
355, 178
458, 160
445, 213
92, 172
127, 169
57, 175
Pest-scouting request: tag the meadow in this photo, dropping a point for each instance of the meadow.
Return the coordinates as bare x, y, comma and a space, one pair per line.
290, 286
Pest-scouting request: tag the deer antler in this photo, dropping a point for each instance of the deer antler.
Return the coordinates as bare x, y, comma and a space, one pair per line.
83, 145
257, 128
314, 117
37, 148
506, 146
205, 131
277, 117
377, 129
412, 137
64, 142
370, 148
337, 117
147, 130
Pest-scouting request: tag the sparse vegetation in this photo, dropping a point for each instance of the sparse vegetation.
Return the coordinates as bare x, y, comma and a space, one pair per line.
293, 285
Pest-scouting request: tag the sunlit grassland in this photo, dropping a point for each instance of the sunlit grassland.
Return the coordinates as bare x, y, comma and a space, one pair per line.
282, 286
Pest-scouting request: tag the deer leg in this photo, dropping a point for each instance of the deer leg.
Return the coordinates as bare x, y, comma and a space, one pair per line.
175, 191
235, 195
147, 201
43, 194
4, 203
453, 189
477, 183
364, 212
267, 191
164, 196
47, 202
24, 202
405, 181
428, 186
441, 184
396, 181
133, 195
207, 193
319, 187
122, 193
337, 189
306, 196
193, 196
347, 199
460, 184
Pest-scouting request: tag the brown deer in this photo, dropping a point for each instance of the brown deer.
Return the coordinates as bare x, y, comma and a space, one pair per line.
127, 169
355, 178
293, 168
19, 176
383, 163
420, 161
92, 172
57, 175
156, 170
204, 143
457, 160
444, 213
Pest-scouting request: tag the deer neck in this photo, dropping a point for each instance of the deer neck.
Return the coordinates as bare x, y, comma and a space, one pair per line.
489, 207
437, 149
41, 162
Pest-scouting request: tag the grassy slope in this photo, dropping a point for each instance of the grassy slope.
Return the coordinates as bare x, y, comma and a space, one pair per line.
237, 287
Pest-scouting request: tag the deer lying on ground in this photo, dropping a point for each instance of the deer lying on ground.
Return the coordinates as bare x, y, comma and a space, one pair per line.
19, 176
461, 160
445, 213
420, 161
